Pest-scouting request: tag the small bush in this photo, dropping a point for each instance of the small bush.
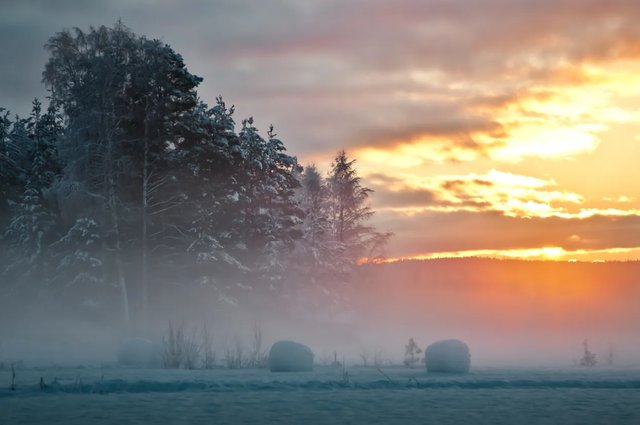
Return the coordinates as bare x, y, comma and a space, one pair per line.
589, 358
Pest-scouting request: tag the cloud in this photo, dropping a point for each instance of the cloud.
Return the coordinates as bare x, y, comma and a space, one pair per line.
393, 193
510, 194
351, 73
441, 232
621, 199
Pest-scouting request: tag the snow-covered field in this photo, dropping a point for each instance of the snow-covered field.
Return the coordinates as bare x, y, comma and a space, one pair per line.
486, 396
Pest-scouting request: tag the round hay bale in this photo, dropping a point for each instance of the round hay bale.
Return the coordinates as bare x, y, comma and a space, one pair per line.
290, 356
450, 356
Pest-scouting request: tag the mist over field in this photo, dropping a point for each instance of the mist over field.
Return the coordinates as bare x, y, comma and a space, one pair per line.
319, 211
510, 312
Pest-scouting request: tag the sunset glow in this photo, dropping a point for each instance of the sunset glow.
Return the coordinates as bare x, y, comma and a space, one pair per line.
547, 253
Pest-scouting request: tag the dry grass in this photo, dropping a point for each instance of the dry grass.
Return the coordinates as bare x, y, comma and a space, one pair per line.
173, 346
258, 358
234, 356
191, 348
380, 358
209, 358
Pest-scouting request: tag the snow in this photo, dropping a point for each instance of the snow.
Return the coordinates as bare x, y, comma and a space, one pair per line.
290, 356
449, 355
93, 395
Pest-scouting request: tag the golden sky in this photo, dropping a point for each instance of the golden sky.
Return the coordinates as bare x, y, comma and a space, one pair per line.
486, 127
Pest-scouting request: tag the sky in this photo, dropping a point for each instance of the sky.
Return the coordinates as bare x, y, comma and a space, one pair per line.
503, 128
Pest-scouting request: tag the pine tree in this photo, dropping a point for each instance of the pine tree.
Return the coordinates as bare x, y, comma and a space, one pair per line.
10, 182
411, 350
267, 213
202, 226
79, 271
126, 100
349, 212
35, 220
159, 95
318, 263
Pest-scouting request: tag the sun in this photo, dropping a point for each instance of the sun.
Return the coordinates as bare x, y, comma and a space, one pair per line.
552, 251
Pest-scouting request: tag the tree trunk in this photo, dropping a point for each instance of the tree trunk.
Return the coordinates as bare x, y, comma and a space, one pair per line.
118, 250
145, 204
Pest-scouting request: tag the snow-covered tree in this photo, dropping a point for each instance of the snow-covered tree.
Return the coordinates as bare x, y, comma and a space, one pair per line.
159, 97
35, 220
78, 265
350, 211
129, 182
11, 176
201, 232
318, 264
87, 75
267, 213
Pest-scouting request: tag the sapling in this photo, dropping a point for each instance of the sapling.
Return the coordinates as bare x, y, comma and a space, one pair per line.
364, 355
411, 350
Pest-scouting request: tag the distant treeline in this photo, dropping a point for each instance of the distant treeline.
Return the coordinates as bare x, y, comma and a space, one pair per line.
127, 187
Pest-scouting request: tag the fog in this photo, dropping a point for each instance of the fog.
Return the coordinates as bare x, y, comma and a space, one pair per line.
503, 324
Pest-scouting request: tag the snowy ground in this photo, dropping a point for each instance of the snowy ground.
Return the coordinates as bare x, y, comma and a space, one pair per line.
485, 396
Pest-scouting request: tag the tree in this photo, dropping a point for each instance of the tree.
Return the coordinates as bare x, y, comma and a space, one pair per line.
160, 94
201, 229
589, 358
411, 350
318, 264
78, 265
87, 75
349, 212
127, 102
10, 181
35, 221
267, 214
10, 171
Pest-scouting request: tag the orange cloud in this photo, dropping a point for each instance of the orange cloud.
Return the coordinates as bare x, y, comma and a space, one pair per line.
432, 232
511, 194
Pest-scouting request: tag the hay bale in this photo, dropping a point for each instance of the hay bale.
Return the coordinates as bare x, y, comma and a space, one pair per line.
290, 356
450, 356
